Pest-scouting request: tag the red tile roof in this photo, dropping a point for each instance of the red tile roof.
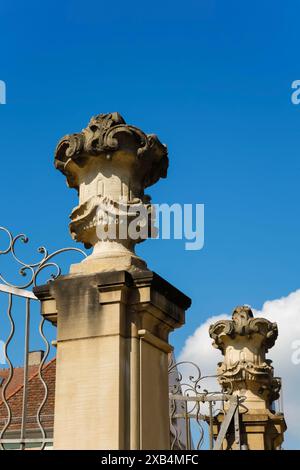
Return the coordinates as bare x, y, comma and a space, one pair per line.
35, 397
17, 379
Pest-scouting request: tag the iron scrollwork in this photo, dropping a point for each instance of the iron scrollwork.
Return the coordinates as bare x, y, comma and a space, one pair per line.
34, 269
22, 289
192, 407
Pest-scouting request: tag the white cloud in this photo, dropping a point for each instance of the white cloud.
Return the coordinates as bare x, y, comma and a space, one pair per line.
285, 355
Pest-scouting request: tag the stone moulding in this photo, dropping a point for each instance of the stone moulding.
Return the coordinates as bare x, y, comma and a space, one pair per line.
259, 378
85, 218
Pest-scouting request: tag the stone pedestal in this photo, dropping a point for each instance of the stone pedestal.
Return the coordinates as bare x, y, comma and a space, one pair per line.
112, 358
262, 430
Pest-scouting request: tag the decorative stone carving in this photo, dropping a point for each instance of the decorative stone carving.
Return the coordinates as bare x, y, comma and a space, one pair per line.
110, 163
244, 342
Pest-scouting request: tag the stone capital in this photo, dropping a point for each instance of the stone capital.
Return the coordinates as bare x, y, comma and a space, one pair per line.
148, 303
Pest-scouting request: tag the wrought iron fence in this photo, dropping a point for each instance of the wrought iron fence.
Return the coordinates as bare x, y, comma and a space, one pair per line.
200, 419
24, 418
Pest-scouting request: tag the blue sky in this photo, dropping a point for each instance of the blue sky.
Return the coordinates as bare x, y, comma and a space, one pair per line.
213, 80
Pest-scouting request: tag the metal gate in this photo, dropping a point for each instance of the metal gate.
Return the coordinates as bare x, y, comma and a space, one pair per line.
24, 407
200, 419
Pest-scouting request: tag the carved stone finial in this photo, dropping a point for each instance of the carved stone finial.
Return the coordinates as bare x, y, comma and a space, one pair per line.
245, 372
110, 163
107, 137
243, 323
244, 342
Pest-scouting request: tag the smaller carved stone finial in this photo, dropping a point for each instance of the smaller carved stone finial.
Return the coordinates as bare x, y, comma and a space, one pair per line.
245, 372
244, 341
110, 163
243, 323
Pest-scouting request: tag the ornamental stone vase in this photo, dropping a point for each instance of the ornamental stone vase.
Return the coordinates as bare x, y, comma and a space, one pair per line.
110, 164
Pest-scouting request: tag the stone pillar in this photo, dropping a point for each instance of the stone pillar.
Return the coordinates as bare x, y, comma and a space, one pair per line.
245, 371
113, 315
